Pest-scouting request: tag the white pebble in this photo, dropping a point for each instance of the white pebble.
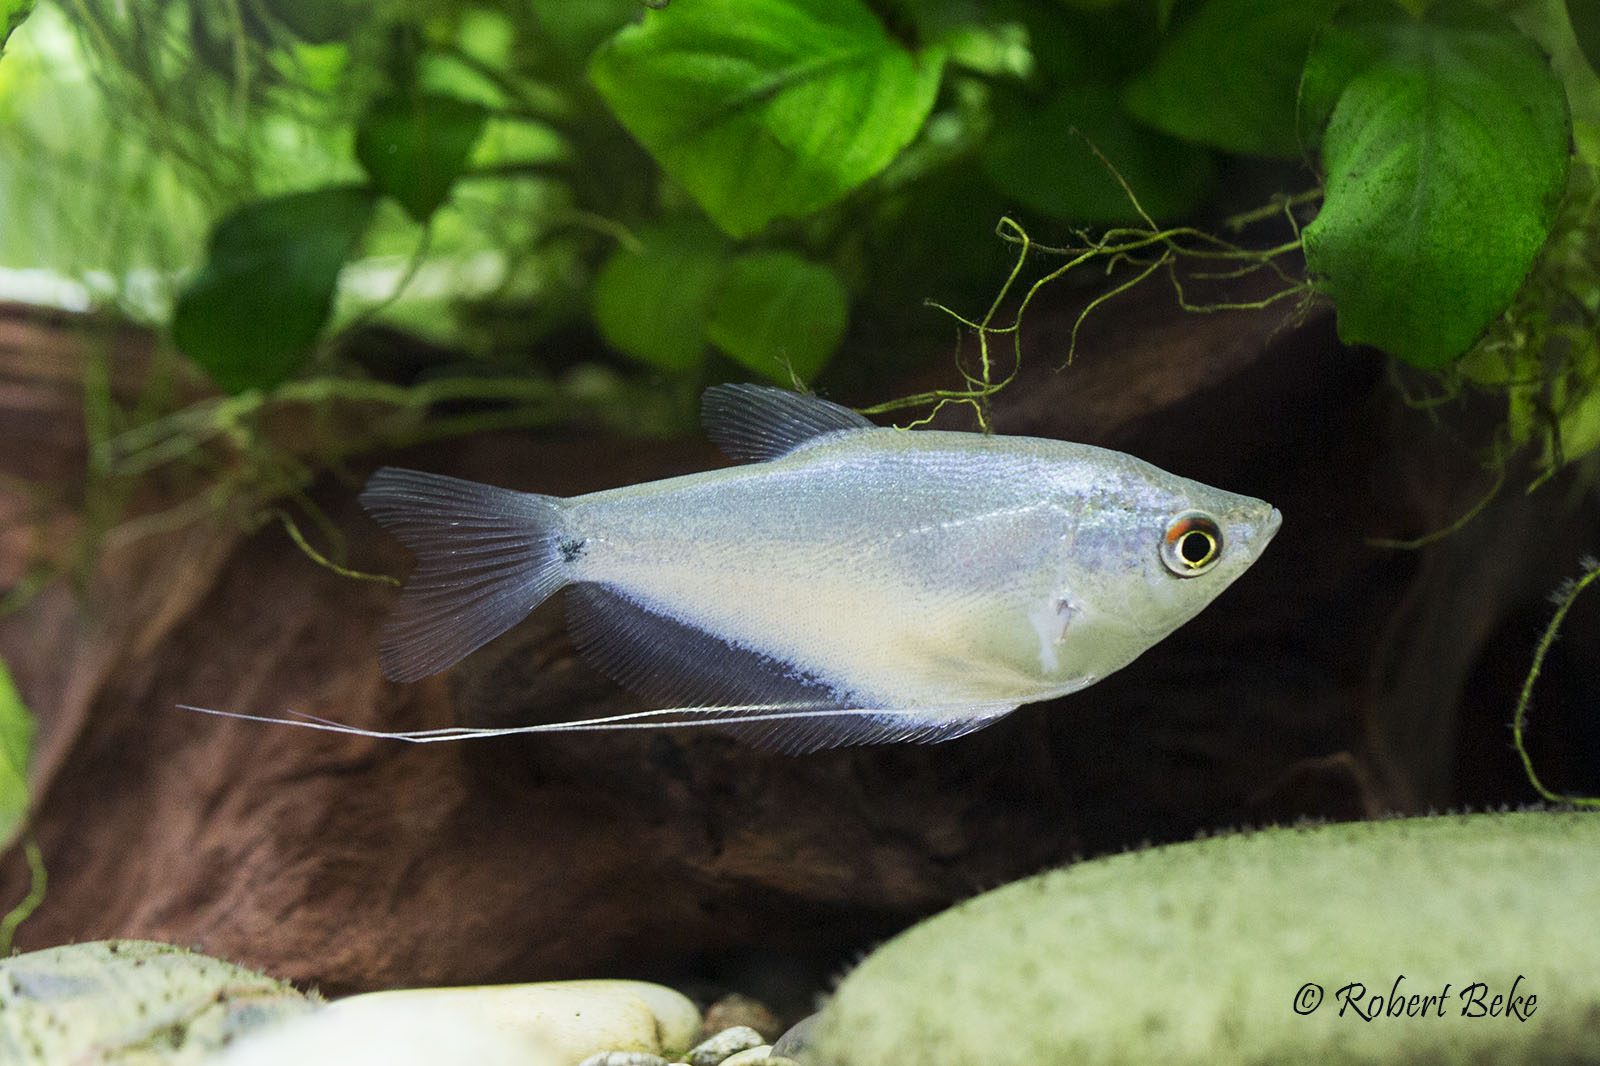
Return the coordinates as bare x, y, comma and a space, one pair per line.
384, 1034
677, 1018
573, 1019
713, 1051
624, 1058
749, 1056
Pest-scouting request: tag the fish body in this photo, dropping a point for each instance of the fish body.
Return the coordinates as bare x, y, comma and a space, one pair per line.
853, 583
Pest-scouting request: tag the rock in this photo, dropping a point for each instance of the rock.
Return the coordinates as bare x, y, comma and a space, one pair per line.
797, 1038
1260, 947
624, 1058
677, 1018
406, 1031
131, 1002
735, 1009
713, 1050
749, 1056
572, 1020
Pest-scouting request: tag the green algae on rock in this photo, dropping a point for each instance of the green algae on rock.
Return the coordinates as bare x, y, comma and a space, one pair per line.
128, 1002
1314, 943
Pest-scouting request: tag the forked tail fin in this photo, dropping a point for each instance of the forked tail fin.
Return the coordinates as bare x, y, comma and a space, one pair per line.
485, 558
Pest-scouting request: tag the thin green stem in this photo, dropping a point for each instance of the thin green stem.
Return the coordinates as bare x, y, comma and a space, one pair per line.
1566, 597
1454, 527
30, 903
1279, 205
293, 529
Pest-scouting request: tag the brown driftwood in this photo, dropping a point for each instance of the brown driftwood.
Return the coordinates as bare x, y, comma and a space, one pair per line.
1328, 682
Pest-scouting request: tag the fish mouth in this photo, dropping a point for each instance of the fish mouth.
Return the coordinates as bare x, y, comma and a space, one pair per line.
1254, 531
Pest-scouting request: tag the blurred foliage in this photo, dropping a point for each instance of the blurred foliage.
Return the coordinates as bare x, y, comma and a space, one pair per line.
17, 729
1543, 354
267, 286
611, 202
16, 751
12, 12
1249, 56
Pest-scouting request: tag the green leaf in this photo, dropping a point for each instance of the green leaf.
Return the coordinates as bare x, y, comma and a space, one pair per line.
779, 315
263, 296
1340, 52
766, 109
1579, 426
1035, 156
16, 751
1585, 18
654, 302
317, 21
414, 146
576, 29
999, 51
1445, 156
12, 14
1229, 75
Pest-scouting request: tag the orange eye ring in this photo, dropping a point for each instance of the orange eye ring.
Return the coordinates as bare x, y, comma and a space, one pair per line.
1192, 544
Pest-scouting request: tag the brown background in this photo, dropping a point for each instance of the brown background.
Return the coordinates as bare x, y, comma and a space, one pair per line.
1334, 680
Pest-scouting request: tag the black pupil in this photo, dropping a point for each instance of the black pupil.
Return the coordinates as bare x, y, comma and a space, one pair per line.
1195, 547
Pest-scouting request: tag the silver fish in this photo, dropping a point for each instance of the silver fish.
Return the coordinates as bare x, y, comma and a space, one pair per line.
851, 584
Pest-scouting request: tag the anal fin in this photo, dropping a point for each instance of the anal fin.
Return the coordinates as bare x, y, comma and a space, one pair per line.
707, 681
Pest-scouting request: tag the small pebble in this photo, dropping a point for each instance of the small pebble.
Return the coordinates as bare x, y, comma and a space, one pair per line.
712, 1051
624, 1058
749, 1056
735, 1009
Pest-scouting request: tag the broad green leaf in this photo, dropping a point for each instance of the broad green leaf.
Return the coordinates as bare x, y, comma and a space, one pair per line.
16, 751
1579, 426
1228, 76
779, 315
1585, 18
1337, 55
766, 109
576, 29
414, 146
1445, 158
1041, 155
317, 21
654, 303
12, 15
252, 313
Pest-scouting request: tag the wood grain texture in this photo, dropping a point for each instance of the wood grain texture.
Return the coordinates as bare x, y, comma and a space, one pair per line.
1327, 682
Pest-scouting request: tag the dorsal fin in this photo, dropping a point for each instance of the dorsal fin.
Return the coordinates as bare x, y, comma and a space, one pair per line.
752, 423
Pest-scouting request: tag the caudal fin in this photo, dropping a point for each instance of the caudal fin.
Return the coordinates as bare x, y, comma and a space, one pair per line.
485, 558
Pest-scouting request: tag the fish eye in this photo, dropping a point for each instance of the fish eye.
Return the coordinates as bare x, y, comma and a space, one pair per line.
1192, 544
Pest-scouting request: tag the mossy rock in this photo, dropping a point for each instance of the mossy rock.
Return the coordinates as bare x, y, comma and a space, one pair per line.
1216, 951
131, 1003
